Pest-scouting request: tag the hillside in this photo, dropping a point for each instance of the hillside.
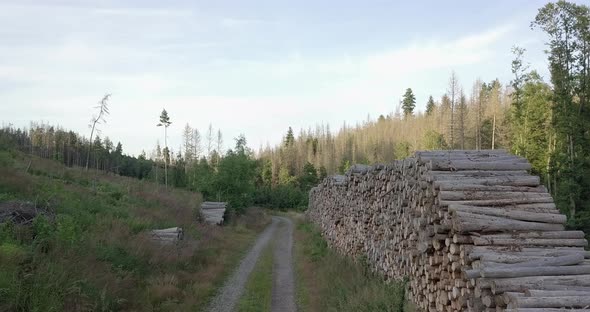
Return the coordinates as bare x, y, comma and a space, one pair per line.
80, 242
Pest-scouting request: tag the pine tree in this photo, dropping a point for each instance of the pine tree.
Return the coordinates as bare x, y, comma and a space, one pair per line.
408, 103
289, 138
430, 106
165, 122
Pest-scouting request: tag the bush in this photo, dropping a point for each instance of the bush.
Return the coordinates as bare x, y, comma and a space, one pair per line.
281, 197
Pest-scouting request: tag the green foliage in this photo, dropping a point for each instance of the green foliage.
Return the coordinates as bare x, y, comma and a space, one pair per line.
164, 119
316, 247
289, 138
408, 103
5, 159
42, 228
258, 289
12, 253
567, 26
402, 150
68, 230
266, 173
344, 166
285, 178
323, 173
434, 141
235, 179
309, 178
121, 259
430, 106
531, 123
338, 283
281, 197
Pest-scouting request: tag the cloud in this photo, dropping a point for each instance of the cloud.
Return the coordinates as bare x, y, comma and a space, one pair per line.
414, 57
260, 95
232, 22
142, 12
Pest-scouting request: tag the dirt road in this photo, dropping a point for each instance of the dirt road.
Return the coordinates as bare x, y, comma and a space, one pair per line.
283, 292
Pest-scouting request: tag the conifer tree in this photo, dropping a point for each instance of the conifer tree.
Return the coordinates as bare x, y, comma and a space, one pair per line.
408, 103
165, 122
430, 106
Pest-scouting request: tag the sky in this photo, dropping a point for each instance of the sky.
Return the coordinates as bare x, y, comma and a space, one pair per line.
246, 67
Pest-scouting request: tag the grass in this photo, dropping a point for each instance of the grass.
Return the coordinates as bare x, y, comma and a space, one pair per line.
327, 281
258, 290
92, 252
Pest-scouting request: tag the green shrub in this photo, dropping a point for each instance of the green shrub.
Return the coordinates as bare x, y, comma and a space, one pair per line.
11, 253
68, 231
281, 197
6, 232
121, 259
6, 159
42, 228
317, 247
44, 233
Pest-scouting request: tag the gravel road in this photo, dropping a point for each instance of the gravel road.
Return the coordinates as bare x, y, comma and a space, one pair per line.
232, 290
283, 291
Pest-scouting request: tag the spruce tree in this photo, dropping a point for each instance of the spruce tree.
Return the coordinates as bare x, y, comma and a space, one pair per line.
430, 106
408, 103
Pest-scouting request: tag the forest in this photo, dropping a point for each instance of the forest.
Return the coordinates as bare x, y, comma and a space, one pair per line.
545, 119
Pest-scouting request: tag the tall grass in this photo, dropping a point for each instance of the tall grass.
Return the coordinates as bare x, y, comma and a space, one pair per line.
258, 290
328, 281
91, 251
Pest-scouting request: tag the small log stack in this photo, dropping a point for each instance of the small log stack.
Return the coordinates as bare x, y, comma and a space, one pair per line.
168, 236
472, 230
213, 212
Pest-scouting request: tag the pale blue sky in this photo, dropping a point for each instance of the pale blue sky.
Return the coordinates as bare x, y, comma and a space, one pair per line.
252, 67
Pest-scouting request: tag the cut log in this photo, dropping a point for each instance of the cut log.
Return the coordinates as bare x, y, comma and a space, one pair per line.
471, 165
547, 235
521, 284
510, 214
522, 271
550, 302
576, 242
471, 223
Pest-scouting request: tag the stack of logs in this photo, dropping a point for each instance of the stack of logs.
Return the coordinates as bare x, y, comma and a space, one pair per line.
167, 236
472, 230
213, 212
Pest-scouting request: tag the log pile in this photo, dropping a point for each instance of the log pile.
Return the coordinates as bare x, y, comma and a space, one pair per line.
168, 236
472, 230
213, 212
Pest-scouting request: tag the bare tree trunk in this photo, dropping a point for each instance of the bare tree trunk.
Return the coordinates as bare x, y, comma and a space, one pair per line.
90, 144
494, 130
165, 159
